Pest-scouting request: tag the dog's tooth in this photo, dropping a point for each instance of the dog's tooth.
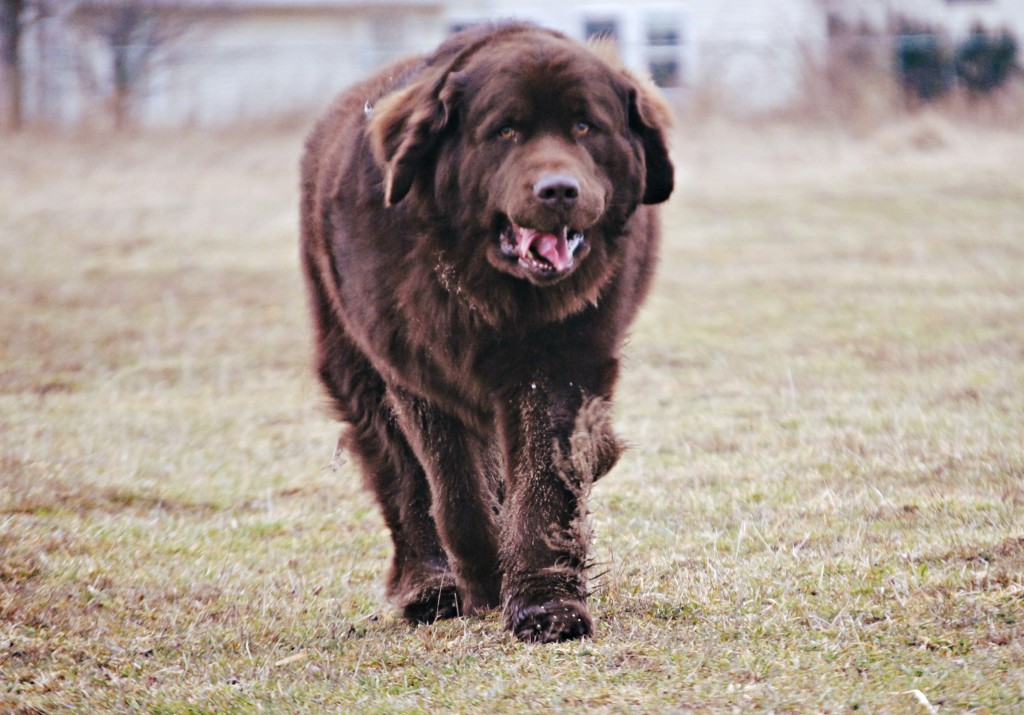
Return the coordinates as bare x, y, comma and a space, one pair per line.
575, 241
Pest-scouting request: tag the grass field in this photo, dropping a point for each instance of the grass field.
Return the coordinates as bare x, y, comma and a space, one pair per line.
823, 510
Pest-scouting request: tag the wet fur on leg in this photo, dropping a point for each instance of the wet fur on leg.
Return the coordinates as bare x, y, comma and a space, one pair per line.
561, 589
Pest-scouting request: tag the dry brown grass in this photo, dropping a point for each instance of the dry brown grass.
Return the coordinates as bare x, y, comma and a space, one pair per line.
822, 511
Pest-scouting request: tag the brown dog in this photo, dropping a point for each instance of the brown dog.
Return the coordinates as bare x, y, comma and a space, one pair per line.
476, 243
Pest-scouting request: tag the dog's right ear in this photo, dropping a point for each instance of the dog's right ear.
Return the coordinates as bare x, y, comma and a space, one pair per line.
651, 118
405, 127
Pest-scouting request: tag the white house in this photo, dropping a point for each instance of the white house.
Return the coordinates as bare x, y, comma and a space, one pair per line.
252, 59
231, 60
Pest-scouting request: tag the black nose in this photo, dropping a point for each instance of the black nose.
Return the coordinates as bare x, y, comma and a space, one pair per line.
557, 190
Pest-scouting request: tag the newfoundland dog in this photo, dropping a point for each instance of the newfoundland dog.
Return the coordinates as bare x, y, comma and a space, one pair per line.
477, 235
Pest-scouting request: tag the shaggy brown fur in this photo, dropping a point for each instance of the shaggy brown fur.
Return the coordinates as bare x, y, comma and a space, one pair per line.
477, 238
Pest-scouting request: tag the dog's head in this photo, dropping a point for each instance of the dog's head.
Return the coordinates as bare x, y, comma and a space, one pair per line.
537, 147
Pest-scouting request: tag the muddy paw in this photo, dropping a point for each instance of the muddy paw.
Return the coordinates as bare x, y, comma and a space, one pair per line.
552, 622
433, 605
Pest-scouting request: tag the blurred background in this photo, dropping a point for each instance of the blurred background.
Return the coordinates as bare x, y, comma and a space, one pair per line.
215, 63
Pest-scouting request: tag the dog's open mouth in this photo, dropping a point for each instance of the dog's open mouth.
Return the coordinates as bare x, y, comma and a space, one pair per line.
544, 254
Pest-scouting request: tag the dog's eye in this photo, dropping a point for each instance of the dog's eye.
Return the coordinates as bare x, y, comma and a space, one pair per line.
506, 133
582, 129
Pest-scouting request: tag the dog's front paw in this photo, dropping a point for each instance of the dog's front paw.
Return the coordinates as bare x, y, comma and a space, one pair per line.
433, 605
551, 622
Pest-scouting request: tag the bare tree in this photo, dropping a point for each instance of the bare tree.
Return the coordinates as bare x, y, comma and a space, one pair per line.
27, 25
139, 34
15, 18
11, 12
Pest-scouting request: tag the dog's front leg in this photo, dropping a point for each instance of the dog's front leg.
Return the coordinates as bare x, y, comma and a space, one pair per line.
462, 504
557, 441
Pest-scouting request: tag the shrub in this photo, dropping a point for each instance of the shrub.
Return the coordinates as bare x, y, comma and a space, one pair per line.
924, 63
984, 62
928, 66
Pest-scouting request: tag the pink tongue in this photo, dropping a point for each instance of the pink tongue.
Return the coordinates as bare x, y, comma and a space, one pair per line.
555, 249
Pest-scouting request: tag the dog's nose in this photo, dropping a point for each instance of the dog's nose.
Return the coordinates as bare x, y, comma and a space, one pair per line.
557, 190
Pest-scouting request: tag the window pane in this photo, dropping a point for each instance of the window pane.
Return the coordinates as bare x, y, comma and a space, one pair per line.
664, 31
603, 27
665, 73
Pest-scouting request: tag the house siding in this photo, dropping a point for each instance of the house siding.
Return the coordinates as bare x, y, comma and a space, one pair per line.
271, 64
267, 58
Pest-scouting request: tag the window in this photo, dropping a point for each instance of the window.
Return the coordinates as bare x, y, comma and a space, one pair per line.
664, 50
601, 27
663, 35
665, 73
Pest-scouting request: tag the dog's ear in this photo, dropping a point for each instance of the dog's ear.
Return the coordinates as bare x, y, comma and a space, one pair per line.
404, 129
651, 119
406, 126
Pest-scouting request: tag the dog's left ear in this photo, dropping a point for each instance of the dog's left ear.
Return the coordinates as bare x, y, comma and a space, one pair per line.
404, 129
651, 119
